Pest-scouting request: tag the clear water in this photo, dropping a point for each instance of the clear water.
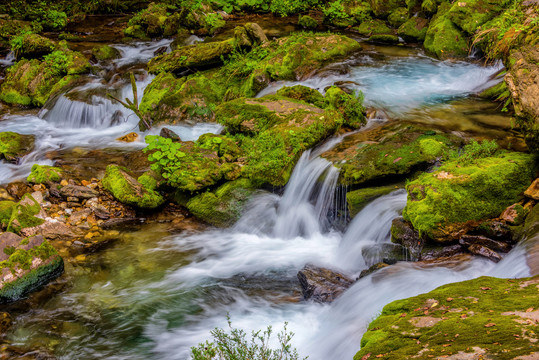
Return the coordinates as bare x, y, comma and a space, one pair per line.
154, 294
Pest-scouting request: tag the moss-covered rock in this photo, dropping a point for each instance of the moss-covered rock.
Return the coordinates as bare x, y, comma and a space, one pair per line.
398, 17
384, 39
14, 146
150, 21
464, 191
224, 206
43, 174
201, 55
349, 105
32, 82
303, 93
128, 190
358, 199
470, 319
444, 39
17, 216
399, 154
307, 22
414, 29
31, 46
105, 52
26, 265
382, 8
373, 27
469, 15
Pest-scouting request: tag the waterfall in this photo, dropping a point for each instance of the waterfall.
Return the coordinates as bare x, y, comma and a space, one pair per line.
303, 208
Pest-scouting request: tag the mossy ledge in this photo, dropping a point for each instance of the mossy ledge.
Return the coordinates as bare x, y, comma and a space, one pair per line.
488, 317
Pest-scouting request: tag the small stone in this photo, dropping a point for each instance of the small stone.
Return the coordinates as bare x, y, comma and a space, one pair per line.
133, 136
167, 133
484, 251
72, 199
64, 182
78, 243
80, 258
533, 191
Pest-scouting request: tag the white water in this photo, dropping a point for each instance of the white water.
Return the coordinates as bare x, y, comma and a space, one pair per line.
407, 83
139, 52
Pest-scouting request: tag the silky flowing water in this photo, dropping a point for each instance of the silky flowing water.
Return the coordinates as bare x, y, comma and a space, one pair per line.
154, 294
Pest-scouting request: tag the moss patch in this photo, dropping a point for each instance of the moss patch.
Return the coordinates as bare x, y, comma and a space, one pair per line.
129, 191
224, 206
358, 199
457, 193
42, 174
488, 316
443, 38
16, 216
13, 145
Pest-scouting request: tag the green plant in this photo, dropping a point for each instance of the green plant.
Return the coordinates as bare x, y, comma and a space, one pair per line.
236, 346
335, 11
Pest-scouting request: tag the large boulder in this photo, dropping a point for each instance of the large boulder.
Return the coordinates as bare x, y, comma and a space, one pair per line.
26, 265
382, 8
399, 153
321, 284
461, 191
140, 193
224, 206
414, 29
469, 15
32, 82
31, 46
14, 146
443, 38
479, 318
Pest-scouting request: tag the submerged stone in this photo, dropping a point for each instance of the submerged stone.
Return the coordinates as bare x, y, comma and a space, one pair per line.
321, 284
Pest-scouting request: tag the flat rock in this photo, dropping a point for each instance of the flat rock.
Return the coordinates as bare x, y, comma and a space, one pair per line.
484, 251
321, 284
468, 240
80, 192
52, 230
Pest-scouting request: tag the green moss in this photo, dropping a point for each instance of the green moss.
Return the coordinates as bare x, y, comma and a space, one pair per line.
105, 52
444, 38
32, 82
31, 46
307, 22
414, 29
42, 174
303, 93
224, 206
398, 17
16, 216
13, 145
459, 192
396, 156
471, 14
129, 191
382, 8
349, 105
32, 278
148, 22
384, 39
464, 316
358, 199
373, 27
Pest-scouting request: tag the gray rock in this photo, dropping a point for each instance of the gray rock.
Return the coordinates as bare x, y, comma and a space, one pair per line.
321, 284
484, 251
80, 192
468, 240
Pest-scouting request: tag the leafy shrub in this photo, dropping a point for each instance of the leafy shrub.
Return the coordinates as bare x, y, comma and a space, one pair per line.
335, 11
235, 346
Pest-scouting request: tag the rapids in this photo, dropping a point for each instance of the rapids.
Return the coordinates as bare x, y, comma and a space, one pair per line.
153, 295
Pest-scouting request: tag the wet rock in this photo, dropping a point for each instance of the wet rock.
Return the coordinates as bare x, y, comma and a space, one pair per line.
514, 214
79, 216
129, 190
496, 230
256, 33
77, 191
169, 134
388, 253
414, 29
13, 146
52, 230
444, 252
443, 37
31, 264
5, 322
404, 234
105, 52
358, 199
382, 8
372, 269
33, 46
533, 191
321, 284
132, 136
468, 240
484, 251
18, 189
161, 50
100, 211
116, 118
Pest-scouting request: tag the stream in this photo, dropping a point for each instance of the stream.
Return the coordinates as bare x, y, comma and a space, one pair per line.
153, 294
